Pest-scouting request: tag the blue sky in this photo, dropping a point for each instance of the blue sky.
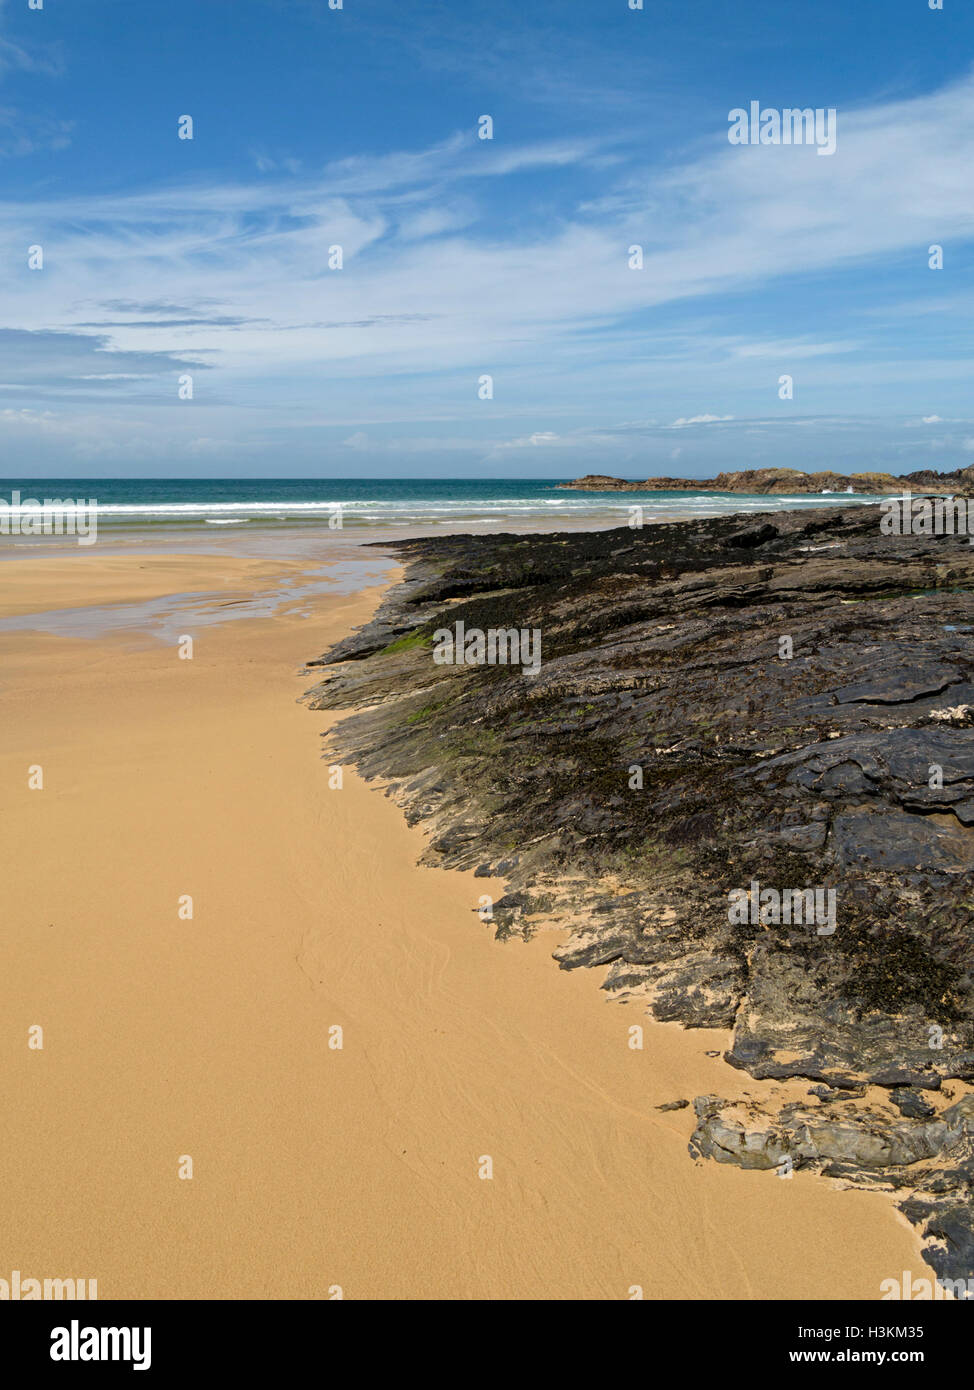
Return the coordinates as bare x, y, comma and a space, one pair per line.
463, 257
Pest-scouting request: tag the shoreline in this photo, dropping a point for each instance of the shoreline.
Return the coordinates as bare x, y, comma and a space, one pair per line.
315, 1167
632, 778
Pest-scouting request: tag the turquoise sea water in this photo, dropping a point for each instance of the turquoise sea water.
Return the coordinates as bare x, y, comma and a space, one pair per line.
378, 504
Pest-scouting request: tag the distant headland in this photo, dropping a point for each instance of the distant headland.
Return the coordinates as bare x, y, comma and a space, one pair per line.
762, 481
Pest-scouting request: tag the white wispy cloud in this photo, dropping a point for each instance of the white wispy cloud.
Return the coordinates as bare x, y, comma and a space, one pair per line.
436, 287
698, 420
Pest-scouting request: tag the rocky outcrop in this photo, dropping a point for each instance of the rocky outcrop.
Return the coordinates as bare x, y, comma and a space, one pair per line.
787, 481
926, 1159
731, 722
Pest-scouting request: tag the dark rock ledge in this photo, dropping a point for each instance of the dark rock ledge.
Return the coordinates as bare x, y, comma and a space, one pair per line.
660, 651
788, 482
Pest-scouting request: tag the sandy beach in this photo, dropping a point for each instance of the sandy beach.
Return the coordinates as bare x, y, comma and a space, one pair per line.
318, 1169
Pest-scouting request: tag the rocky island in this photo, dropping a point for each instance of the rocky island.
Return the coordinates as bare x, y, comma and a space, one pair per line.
787, 481
729, 716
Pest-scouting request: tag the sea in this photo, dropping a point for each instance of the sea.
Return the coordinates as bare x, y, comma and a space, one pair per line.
154, 507
331, 532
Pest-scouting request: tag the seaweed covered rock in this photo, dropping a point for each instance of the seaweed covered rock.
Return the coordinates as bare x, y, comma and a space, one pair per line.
742, 775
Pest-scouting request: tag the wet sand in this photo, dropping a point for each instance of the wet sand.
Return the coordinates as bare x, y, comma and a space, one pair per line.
316, 1168
30, 585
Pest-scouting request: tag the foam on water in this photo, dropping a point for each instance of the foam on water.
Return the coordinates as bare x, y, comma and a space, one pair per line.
182, 504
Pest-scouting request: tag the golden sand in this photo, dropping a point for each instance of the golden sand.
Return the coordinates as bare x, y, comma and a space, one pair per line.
314, 1167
